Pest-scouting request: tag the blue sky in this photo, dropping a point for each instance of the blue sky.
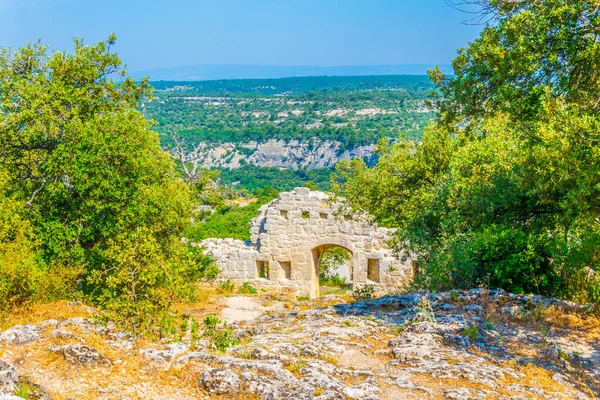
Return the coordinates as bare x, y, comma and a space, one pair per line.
160, 33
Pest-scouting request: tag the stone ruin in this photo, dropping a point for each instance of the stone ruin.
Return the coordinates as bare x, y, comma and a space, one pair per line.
290, 234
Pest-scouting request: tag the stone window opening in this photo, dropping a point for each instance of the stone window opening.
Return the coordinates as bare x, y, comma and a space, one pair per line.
287, 269
262, 269
284, 214
305, 214
323, 215
373, 270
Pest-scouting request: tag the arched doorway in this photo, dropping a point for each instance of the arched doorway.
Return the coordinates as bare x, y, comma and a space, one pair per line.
333, 267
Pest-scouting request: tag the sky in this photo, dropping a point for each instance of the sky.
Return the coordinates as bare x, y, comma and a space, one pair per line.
162, 34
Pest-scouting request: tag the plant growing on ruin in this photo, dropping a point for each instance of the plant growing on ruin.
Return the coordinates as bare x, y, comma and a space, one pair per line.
424, 310
470, 332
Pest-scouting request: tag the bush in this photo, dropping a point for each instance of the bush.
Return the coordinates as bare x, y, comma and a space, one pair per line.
333, 281
21, 273
139, 279
247, 288
364, 292
216, 330
88, 180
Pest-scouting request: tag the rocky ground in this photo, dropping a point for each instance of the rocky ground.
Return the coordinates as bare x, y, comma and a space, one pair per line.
458, 345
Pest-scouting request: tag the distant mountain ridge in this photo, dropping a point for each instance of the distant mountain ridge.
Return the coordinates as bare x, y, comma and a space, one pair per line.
213, 72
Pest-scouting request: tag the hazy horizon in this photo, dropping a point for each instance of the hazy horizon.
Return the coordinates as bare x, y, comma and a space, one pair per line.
241, 71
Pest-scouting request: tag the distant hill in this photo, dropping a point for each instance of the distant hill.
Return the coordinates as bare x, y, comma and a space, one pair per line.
298, 85
213, 72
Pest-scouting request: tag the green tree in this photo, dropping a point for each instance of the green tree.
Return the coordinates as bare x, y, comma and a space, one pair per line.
97, 188
504, 188
20, 275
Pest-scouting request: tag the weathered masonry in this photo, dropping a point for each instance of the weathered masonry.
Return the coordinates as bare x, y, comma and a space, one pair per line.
289, 236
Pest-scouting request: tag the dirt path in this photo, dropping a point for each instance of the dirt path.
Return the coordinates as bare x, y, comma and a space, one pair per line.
240, 308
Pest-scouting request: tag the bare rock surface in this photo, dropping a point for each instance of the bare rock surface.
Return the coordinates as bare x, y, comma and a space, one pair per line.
220, 381
20, 335
8, 396
454, 345
241, 308
8, 377
81, 354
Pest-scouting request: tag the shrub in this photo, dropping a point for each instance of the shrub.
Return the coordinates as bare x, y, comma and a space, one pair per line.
21, 273
227, 287
364, 292
247, 288
333, 281
216, 330
88, 179
471, 332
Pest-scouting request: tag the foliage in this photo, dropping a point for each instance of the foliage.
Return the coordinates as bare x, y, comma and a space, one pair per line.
334, 281
103, 201
227, 287
253, 178
310, 108
247, 288
309, 86
264, 271
216, 330
230, 221
364, 292
332, 259
504, 189
21, 276
424, 310
470, 332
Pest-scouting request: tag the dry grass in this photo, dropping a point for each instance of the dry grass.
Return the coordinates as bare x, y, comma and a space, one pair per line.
535, 376
135, 377
130, 372
39, 312
206, 303
333, 360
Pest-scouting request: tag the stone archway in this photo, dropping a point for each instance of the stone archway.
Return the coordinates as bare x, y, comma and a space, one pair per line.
289, 235
317, 253
318, 247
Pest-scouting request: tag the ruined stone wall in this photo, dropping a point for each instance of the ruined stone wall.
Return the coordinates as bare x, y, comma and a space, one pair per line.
240, 262
292, 232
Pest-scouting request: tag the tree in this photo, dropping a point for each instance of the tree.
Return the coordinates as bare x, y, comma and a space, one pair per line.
504, 189
96, 184
529, 51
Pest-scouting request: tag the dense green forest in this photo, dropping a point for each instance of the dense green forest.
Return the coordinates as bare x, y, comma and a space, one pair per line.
351, 110
252, 178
